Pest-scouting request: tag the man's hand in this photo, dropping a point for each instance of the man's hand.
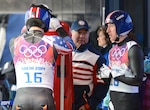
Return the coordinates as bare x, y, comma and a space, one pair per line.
82, 108
86, 105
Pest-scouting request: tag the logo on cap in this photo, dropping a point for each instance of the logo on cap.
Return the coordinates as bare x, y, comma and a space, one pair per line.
81, 22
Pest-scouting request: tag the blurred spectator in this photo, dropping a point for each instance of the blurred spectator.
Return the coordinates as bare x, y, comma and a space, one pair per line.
105, 43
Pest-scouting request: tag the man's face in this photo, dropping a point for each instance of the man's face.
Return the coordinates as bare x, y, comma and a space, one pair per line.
80, 37
111, 30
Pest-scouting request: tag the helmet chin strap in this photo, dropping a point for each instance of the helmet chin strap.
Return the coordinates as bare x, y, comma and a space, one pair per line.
117, 39
122, 38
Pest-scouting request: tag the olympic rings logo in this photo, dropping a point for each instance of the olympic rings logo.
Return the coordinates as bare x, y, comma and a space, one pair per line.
33, 50
118, 53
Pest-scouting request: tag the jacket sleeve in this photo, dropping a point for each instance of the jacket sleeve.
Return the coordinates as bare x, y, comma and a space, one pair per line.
99, 92
69, 42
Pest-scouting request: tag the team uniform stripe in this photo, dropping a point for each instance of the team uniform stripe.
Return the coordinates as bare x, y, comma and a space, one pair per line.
84, 62
82, 78
78, 73
85, 69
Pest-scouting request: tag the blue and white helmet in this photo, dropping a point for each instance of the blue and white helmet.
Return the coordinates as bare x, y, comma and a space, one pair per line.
122, 21
38, 15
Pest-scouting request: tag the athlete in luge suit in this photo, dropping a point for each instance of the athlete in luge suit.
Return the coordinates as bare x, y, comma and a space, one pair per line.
34, 56
125, 63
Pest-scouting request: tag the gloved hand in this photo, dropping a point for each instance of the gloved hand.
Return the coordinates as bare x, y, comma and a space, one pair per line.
55, 24
104, 72
118, 70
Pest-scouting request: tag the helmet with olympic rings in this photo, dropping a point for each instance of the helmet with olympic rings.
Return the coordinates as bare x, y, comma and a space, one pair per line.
122, 21
38, 15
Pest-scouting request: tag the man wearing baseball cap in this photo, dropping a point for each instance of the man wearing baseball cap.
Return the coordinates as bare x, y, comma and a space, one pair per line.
80, 24
88, 91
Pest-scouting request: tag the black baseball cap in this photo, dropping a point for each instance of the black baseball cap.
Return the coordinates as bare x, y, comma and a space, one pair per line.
79, 24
